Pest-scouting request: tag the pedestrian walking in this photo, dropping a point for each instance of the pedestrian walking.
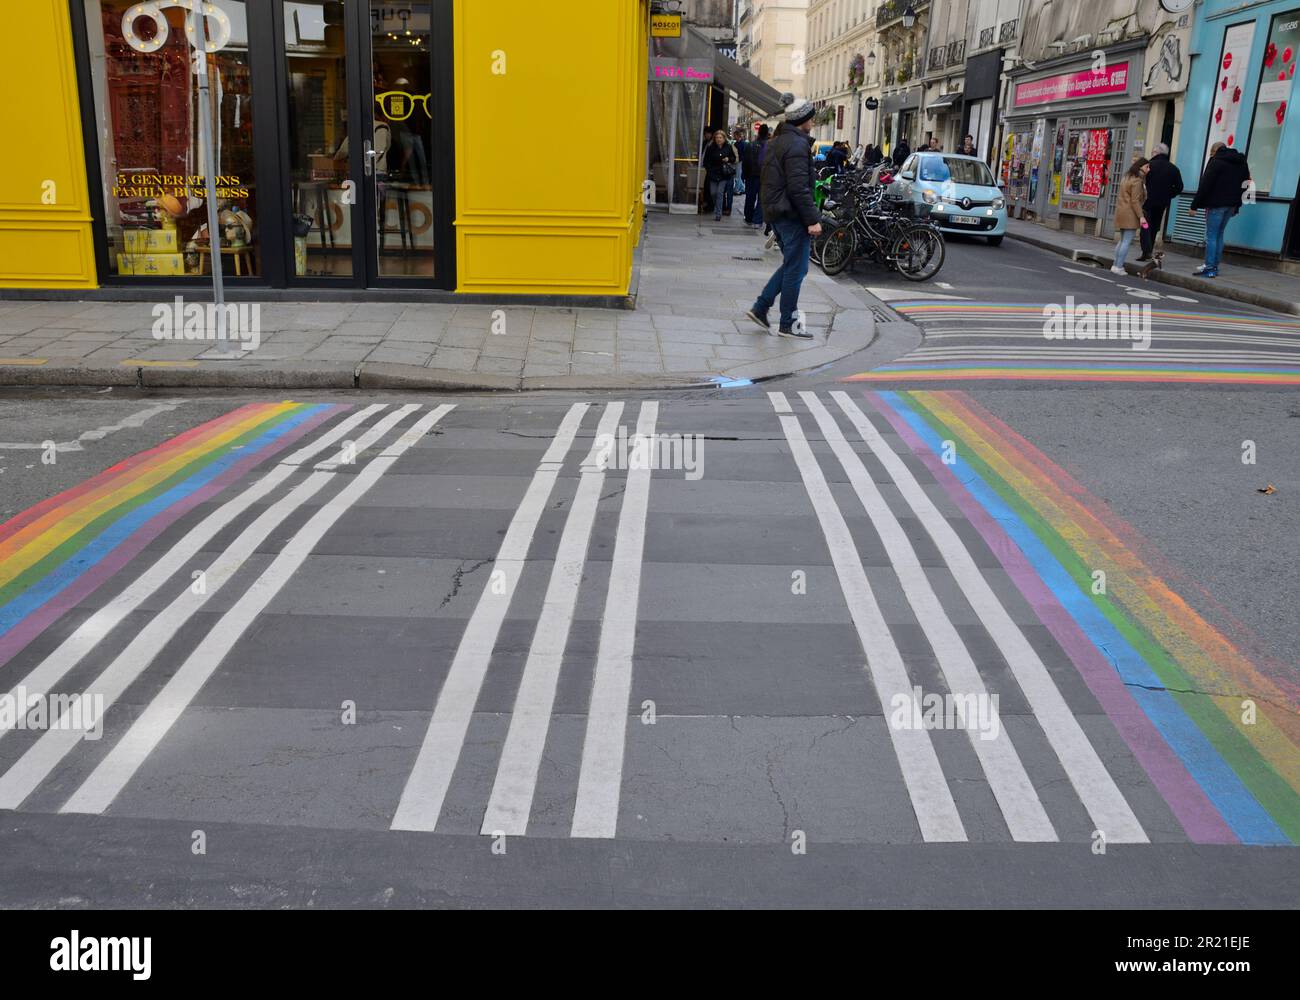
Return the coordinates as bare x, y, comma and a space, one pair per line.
1220, 192
901, 152
720, 168
751, 169
788, 204
1164, 184
1128, 210
872, 155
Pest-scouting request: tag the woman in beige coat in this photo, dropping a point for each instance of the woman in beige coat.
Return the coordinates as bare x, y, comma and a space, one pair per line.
1128, 210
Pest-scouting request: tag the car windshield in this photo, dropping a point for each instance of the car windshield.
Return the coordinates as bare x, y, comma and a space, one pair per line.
955, 169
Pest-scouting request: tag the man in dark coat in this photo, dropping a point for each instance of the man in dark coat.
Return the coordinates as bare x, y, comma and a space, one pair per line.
1164, 184
751, 163
901, 152
1220, 193
788, 206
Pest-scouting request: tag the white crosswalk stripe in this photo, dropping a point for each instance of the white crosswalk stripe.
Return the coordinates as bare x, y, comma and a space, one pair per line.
32, 768
452, 780
936, 812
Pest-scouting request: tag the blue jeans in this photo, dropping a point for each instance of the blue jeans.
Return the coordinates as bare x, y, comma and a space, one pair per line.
1216, 221
717, 189
753, 211
796, 244
1122, 247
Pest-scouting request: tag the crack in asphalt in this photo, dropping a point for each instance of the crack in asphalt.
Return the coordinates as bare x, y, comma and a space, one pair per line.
458, 577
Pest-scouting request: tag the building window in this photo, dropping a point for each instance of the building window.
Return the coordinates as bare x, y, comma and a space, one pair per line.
147, 106
1272, 99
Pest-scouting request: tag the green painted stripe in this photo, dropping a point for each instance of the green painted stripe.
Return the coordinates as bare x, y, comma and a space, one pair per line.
72, 545
1269, 788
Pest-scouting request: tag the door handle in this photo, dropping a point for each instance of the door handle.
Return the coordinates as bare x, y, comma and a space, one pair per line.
368, 160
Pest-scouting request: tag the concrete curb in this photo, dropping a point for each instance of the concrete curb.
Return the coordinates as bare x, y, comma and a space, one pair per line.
1188, 282
851, 330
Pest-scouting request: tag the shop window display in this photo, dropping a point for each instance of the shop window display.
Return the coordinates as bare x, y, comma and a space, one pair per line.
146, 102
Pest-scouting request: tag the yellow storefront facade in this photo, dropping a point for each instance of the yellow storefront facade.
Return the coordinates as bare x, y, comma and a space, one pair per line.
455, 147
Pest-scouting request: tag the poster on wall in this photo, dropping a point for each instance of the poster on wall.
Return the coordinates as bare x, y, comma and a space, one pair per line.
1233, 60
1086, 168
1273, 97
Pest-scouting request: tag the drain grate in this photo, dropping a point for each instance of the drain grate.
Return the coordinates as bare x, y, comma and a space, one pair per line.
746, 258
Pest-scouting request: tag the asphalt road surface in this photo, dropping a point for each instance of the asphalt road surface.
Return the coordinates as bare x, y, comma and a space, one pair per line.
885, 634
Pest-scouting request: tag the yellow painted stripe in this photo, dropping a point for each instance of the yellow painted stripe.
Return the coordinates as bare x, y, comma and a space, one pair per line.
36, 543
26, 362
160, 364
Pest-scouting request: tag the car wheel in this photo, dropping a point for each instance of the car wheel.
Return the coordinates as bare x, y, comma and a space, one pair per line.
995, 241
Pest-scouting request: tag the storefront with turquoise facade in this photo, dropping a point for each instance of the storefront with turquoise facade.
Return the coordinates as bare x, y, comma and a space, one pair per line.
1240, 92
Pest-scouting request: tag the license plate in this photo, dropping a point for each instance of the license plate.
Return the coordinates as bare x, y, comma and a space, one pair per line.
964, 220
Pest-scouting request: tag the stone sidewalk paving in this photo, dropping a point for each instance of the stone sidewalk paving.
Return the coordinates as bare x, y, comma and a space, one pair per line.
1257, 286
696, 280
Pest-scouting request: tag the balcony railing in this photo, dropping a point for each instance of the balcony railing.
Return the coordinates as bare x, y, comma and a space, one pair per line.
956, 52
892, 10
936, 58
1008, 31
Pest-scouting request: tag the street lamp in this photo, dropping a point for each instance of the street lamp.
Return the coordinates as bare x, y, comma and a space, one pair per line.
909, 17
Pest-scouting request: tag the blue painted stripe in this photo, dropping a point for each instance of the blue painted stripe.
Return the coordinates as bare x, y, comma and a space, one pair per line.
1248, 819
1075, 366
64, 575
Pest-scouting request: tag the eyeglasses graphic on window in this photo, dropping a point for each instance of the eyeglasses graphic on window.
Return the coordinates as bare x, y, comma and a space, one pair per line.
398, 105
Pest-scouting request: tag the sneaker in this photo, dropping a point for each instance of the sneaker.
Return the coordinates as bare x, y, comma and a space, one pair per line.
771, 242
760, 319
1210, 273
1143, 260
789, 331
1119, 270
1202, 268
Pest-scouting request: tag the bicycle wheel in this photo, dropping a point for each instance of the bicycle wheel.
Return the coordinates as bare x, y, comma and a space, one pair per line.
919, 253
838, 249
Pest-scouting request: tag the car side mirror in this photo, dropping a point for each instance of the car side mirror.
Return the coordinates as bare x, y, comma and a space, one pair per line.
908, 175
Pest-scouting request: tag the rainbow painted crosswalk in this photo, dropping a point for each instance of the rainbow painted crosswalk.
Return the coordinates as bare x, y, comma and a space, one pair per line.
1005, 341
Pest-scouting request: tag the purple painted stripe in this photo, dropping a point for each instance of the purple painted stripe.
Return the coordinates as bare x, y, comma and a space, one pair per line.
17, 638
1198, 816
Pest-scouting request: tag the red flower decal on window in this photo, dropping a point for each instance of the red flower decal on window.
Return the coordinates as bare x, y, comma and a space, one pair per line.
1281, 112
1227, 59
1270, 54
1230, 138
1236, 95
1223, 84
1286, 56
1218, 115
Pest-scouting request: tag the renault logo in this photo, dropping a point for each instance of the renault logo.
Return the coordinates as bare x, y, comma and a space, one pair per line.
966, 203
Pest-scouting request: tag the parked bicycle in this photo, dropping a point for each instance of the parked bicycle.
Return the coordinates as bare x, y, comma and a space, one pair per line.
866, 223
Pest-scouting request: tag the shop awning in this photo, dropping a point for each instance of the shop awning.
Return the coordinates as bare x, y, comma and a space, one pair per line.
944, 101
694, 49
748, 89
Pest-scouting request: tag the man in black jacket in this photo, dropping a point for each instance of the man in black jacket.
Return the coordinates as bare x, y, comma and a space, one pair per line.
750, 169
1220, 193
788, 205
1164, 184
901, 152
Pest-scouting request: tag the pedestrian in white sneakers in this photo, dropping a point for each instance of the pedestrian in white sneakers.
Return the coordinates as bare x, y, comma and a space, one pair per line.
1128, 210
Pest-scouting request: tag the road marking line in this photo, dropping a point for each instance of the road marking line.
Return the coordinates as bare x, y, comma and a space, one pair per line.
88, 635
426, 787
136, 419
1026, 819
24, 362
936, 812
1092, 782
159, 364
43, 756
99, 790
600, 778
511, 800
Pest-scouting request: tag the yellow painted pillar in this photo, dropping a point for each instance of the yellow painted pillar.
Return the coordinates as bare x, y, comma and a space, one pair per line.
45, 234
550, 134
